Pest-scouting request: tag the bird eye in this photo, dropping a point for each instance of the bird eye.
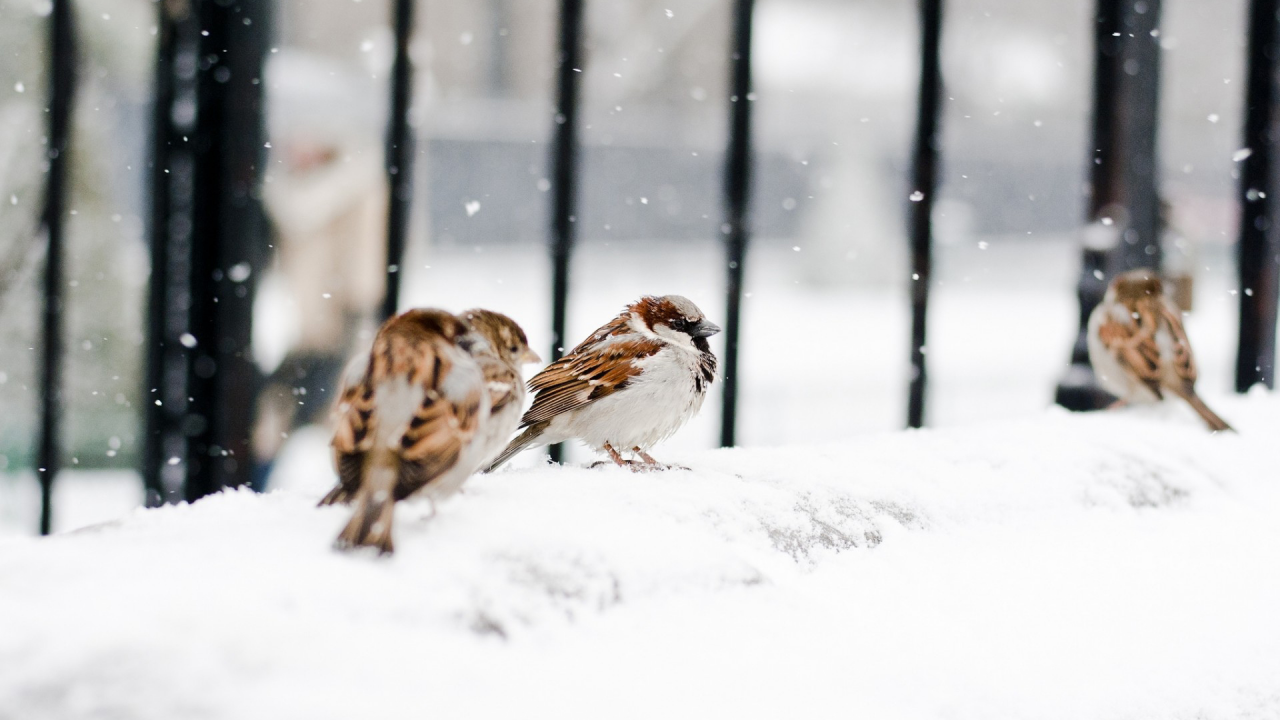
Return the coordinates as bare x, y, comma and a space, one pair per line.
514, 349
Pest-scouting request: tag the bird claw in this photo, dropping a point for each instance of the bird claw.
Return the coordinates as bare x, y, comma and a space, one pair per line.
646, 463
636, 466
655, 467
650, 464
632, 464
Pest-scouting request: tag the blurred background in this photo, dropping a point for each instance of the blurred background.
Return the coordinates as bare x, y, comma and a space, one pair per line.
826, 318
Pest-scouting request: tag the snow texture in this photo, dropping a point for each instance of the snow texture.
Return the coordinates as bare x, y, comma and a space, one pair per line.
1119, 565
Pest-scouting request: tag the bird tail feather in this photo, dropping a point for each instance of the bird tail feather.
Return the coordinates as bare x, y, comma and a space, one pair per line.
1211, 418
528, 438
374, 512
335, 496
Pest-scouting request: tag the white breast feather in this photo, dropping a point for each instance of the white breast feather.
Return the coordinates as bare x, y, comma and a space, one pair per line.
502, 424
654, 404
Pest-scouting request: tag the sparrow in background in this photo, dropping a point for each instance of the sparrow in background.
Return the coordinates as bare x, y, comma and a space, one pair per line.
500, 347
630, 385
1138, 348
407, 421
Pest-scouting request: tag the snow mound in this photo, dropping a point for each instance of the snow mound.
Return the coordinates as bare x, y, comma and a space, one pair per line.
1103, 566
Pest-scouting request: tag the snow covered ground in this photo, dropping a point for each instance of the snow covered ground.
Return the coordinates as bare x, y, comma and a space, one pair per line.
1119, 565
80, 498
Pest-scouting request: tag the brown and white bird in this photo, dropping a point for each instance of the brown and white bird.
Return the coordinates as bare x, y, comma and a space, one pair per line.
407, 422
500, 347
630, 385
1138, 348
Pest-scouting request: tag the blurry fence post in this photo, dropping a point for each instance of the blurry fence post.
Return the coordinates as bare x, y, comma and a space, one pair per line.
169, 234
229, 246
1123, 222
1259, 250
399, 156
62, 77
208, 242
737, 191
924, 183
564, 175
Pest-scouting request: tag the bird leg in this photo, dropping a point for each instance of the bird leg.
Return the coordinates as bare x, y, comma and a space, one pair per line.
616, 457
1118, 404
651, 464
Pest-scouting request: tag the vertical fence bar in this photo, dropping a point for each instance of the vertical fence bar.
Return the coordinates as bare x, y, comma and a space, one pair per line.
1139, 121
62, 70
1123, 173
399, 156
924, 183
564, 175
1104, 167
1259, 252
229, 242
1079, 389
172, 233
164, 354
737, 200
208, 238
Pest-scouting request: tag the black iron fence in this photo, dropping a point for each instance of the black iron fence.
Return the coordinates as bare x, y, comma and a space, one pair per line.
208, 237
1259, 249
564, 172
208, 233
62, 50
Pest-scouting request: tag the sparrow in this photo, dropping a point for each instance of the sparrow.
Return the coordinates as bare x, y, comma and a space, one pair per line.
499, 346
628, 386
1138, 348
407, 419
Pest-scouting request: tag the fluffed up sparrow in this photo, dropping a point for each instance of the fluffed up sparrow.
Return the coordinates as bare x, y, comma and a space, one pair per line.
630, 385
1138, 348
407, 419
500, 347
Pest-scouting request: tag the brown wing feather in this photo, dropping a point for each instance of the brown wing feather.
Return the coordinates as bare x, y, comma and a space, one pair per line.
1184, 363
435, 439
439, 431
1134, 346
585, 375
351, 417
440, 426
617, 326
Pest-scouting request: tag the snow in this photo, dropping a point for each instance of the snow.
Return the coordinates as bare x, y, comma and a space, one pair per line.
80, 498
1117, 565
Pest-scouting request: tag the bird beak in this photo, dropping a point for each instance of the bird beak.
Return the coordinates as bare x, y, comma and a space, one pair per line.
705, 328
529, 356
